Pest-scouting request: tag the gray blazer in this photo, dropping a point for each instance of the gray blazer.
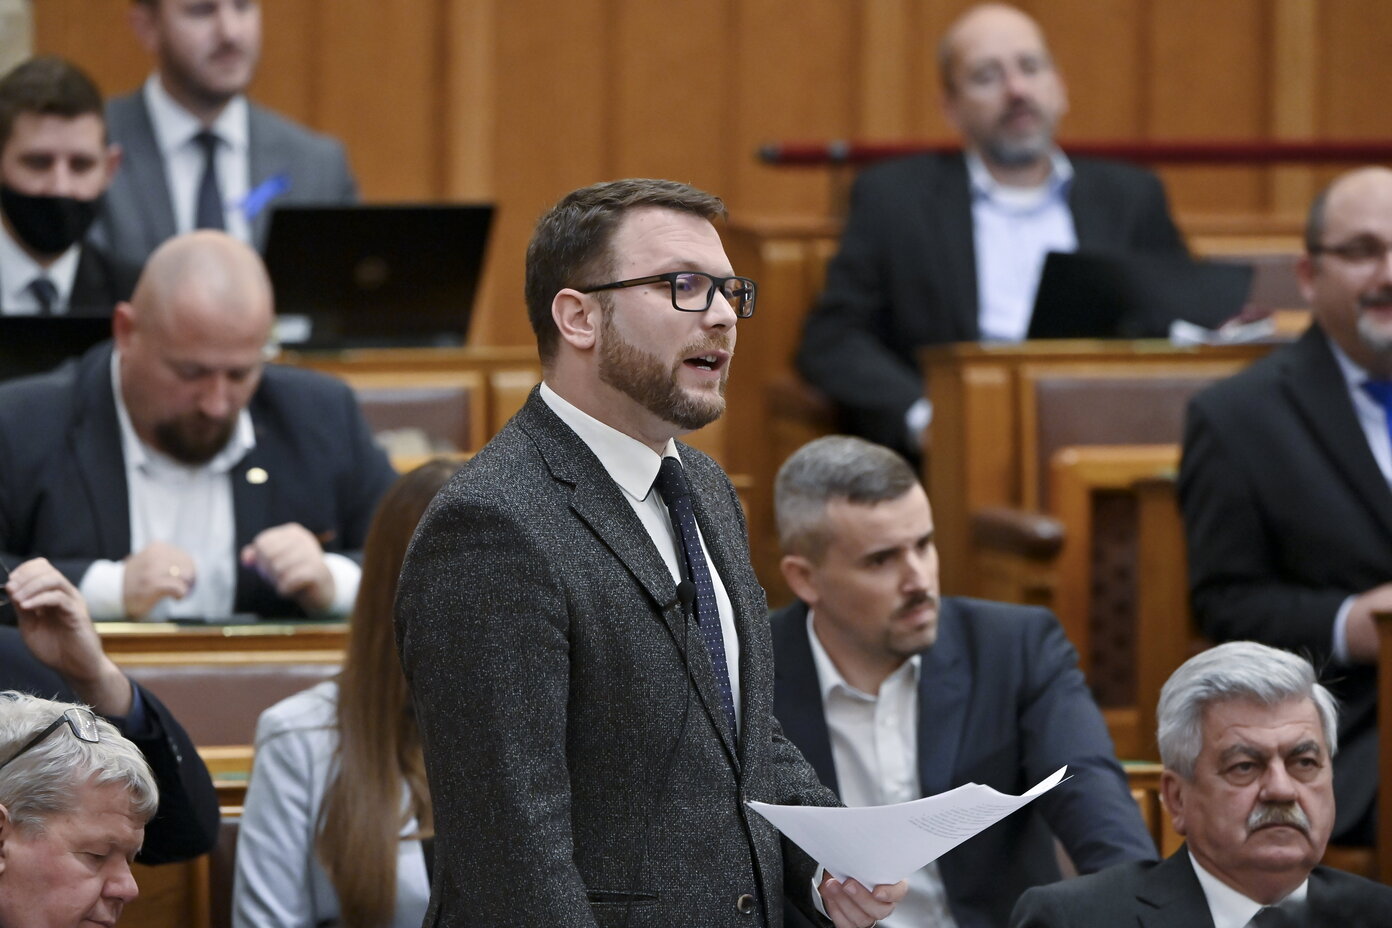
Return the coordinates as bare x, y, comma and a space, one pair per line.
580, 764
137, 214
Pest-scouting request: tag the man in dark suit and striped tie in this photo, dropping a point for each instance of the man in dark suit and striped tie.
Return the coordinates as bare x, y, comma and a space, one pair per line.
582, 630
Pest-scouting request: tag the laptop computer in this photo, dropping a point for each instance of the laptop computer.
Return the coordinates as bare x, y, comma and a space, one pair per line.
34, 344
376, 275
1116, 295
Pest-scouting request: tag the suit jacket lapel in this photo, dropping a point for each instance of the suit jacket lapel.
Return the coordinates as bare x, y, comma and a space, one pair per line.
1089, 211
944, 693
1312, 379
146, 165
600, 504
798, 696
948, 202
1170, 894
95, 444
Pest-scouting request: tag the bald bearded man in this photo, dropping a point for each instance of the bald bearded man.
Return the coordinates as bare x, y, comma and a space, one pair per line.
174, 473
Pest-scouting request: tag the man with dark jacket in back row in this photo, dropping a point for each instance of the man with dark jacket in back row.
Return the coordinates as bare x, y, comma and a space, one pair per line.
894, 693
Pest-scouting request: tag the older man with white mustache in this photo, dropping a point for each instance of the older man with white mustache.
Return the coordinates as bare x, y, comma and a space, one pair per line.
1247, 738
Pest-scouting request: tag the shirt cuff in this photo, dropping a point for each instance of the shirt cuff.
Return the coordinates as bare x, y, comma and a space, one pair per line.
346, 573
917, 420
817, 893
103, 587
1339, 647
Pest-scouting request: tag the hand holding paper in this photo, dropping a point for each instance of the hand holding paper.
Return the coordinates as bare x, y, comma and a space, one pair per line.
884, 844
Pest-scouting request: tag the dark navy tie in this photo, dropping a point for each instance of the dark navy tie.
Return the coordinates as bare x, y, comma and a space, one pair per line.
208, 212
1381, 390
45, 293
676, 493
1271, 917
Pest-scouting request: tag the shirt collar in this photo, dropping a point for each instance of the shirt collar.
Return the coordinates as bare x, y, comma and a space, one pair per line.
984, 186
1230, 908
830, 679
18, 270
175, 126
631, 464
142, 457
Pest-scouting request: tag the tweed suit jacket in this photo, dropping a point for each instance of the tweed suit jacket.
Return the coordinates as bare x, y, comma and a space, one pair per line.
1168, 895
137, 214
1286, 515
580, 765
905, 275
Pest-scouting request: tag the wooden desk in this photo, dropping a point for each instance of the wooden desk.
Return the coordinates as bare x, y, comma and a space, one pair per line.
154, 643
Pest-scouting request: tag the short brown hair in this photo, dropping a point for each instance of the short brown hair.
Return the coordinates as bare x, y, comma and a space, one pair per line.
570, 245
46, 86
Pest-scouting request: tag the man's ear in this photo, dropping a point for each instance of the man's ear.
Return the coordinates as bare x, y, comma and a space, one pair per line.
112, 158
123, 324
141, 17
1305, 276
7, 830
1172, 790
576, 317
801, 575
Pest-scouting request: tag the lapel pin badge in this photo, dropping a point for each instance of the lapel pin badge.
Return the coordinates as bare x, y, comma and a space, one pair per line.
257, 476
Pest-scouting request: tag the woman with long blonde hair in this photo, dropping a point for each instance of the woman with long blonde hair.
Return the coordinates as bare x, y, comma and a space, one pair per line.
337, 806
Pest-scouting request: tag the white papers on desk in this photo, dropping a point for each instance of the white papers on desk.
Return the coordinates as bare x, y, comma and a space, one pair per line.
884, 844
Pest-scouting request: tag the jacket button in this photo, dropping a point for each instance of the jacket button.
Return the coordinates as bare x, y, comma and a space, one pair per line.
745, 904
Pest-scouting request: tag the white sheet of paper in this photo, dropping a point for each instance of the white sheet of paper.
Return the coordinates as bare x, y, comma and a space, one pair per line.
884, 844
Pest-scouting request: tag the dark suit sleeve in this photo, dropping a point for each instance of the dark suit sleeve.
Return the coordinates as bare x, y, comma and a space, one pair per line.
846, 346
1155, 230
1235, 579
1037, 909
1092, 813
186, 824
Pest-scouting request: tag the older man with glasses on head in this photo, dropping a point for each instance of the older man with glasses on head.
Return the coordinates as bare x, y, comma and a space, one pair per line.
74, 800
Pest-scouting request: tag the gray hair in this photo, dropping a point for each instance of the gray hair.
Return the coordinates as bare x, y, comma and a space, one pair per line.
45, 780
1238, 670
837, 467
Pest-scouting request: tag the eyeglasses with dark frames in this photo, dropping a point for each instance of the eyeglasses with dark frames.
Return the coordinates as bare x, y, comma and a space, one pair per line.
1364, 250
694, 291
79, 718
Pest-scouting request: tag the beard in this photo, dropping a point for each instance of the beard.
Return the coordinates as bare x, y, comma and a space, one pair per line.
194, 439
1020, 151
643, 378
1374, 333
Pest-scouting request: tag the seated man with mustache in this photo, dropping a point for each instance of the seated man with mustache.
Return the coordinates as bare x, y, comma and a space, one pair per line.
1247, 738
174, 473
894, 693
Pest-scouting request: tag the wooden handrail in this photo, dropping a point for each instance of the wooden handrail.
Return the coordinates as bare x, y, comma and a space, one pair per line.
1255, 152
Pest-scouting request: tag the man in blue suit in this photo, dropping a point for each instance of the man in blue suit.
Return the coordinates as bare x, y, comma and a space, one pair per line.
894, 693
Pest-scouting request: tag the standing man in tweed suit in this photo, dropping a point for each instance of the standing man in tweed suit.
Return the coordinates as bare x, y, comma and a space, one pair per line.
582, 631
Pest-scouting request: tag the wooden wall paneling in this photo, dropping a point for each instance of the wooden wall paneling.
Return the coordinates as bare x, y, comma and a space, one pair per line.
94, 35
291, 75
1100, 47
1295, 79
552, 134
672, 82
1196, 89
886, 51
380, 84
796, 77
1355, 70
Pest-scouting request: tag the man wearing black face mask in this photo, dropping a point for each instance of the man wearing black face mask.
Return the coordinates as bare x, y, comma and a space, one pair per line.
55, 164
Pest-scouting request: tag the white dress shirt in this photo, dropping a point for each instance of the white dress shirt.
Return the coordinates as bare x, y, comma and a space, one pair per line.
1231, 909
189, 507
175, 128
633, 466
1373, 420
18, 270
1013, 228
874, 745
